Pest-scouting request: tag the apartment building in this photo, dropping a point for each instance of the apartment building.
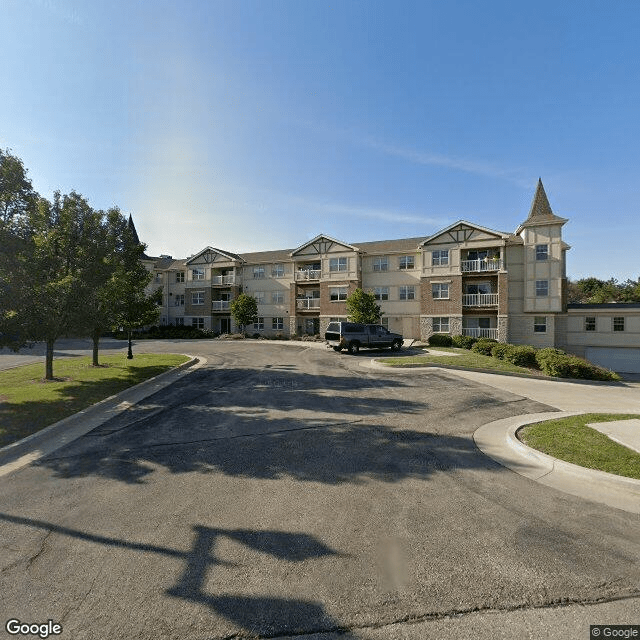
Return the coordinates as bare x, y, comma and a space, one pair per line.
465, 279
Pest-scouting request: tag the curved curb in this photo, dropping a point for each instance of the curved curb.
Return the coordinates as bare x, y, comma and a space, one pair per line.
37, 445
498, 440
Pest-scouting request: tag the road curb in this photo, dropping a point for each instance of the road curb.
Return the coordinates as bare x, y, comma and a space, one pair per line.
499, 441
37, 445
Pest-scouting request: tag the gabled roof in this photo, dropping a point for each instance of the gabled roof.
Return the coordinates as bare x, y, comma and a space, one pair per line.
464, 226
401, 245
226, 254
322, 244
540, 212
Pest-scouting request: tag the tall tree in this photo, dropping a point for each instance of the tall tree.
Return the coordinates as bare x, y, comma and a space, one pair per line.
362, 307
244, 309
17, 197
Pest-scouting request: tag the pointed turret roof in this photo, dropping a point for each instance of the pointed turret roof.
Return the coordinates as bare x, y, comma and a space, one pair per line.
540, 212
132, 229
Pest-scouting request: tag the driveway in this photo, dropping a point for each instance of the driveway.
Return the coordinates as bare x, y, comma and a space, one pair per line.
285, 490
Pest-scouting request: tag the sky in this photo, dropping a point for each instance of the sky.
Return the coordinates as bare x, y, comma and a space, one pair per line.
253, 125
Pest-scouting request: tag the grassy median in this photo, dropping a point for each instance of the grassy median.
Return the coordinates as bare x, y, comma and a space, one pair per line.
460, 358
28, 403
571, 440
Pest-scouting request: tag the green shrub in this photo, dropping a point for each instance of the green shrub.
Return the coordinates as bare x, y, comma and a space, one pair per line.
440, 340
498, 350
463, 342
556, 363
520, 355
484, 346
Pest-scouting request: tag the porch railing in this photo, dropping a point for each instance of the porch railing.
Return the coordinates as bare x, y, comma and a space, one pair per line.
481, 265
308, 303
231, 279
479, 299
308, 274
476, 332
220, 305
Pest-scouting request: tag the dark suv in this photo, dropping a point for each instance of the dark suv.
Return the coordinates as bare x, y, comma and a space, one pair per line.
353, 335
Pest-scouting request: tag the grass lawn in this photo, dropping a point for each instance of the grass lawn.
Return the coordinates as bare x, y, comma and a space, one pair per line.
571, 440
28, 403
464, 358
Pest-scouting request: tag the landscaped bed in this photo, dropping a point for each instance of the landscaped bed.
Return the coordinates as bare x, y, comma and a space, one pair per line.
28, 403
571, 440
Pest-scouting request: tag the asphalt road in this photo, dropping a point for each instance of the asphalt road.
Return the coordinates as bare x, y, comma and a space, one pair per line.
283, 490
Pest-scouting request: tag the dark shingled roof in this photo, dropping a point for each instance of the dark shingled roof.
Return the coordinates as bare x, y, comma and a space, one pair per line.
540, 208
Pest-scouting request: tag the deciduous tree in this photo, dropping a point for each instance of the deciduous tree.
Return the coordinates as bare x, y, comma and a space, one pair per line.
244, 310
362, 307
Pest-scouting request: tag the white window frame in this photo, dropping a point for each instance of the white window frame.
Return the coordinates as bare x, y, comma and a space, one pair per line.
197, 298
542, 288
381, 263
197, 323
259, 324
617, 323
179, 276
337, 264
259, 296
407, 292
440, 257
542, 252
385, 323
441, 324
590, 323
178, 301
338, 294
277, 297
540, 324
258, 273
381, 293
405, 263
278, 270
197, 274
439, 289
277, 324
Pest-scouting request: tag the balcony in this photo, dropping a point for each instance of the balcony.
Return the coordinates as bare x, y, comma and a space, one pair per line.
224, 280
308, 304
220, 305
303, 275
476, 332
479, 299
481, 266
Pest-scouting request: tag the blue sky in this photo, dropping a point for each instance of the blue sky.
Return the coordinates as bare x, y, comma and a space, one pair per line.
254, 125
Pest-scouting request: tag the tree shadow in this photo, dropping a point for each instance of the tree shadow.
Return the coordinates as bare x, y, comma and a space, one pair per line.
265, 616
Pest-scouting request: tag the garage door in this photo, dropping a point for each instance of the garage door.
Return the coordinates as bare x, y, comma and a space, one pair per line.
617, 359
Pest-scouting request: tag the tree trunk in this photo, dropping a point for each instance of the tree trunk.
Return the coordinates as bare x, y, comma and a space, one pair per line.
48, 363
129, 351
96, 340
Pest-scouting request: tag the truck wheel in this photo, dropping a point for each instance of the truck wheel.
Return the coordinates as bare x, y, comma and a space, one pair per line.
396, 346
338, 349
354, 347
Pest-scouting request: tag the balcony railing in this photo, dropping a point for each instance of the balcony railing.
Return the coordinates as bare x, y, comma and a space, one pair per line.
231, 279
308, 274
220, 305
308, 303
476, 332
479, 299
481, 265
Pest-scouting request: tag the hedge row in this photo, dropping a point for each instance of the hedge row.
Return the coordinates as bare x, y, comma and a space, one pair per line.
552, 362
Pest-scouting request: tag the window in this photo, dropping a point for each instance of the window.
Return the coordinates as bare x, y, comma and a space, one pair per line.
385, 323
178, 301
197, 297
197, 274
381, 264
338, 293
440, 258
406, 262
440, 290
277, 297
337, 264
407, 292
198, 323
381, 293
542, 288
618, 323
259, 296
179, 322
258, 272
180, 276
540, 324
259, 325
542, 252
277, 323
277, 271
590, 323
441, 325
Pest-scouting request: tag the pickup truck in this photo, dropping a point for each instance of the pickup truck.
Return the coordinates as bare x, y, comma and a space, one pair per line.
353, 335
